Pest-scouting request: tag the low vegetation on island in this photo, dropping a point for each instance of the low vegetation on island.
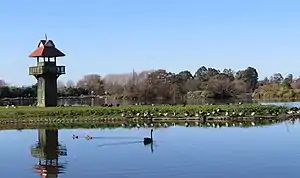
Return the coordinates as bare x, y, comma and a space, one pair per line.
235, 115
143, 111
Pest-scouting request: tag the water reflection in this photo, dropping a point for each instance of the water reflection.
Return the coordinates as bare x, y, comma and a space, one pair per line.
137, 140
182, 152
127, 143
48, 150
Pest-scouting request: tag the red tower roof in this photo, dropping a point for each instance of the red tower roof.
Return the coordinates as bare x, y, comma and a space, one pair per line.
46, 48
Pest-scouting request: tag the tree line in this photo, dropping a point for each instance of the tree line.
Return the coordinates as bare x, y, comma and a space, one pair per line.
278, 87
206, 82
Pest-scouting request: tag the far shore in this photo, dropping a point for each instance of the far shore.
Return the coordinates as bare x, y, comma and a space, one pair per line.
108, 96
61, 97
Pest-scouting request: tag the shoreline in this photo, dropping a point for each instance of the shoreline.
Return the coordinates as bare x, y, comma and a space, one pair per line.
143, 111
77, 124
145, 115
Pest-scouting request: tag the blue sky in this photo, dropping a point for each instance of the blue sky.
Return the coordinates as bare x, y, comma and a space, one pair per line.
115, 36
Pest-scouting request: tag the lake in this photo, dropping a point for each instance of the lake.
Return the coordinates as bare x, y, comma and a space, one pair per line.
179, 152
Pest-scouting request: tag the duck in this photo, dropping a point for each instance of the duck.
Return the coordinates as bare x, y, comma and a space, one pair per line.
75, 137
88, 137
148, 140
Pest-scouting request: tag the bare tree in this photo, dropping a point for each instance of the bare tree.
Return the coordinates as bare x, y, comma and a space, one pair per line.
93, 83
2, 83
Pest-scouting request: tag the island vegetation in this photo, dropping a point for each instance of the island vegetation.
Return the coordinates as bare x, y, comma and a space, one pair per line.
240, 115
206, 82
143, 111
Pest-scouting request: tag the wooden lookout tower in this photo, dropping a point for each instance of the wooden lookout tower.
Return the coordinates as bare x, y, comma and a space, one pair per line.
46, 72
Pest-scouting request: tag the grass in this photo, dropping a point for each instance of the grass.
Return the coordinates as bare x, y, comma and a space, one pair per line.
143, 111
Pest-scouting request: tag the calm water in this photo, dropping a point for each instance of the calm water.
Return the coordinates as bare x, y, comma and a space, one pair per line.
180, 152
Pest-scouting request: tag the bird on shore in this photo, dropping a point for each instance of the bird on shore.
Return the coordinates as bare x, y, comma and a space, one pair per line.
148, 140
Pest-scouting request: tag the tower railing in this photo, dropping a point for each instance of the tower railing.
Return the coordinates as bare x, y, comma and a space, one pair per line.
39, 70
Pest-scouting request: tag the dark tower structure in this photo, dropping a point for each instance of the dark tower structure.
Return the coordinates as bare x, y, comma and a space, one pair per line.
48, 150
46, 72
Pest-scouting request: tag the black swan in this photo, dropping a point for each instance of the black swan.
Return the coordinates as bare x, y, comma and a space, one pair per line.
148, 140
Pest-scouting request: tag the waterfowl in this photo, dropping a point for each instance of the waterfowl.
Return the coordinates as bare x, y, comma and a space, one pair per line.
186, 124
148, 140
88, 137
75, 137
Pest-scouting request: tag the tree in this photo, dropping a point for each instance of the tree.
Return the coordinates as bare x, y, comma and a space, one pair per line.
276, 78
220, 85
92, 83
250, 76
200, 72
2, 83
4, 92
288, 79
230, 73
211, 72
296, 84
185, 75
157, 85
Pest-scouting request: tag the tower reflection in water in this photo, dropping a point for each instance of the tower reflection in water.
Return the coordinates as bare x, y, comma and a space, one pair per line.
48, 150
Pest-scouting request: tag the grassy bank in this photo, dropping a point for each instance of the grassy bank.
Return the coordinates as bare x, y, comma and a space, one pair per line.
142, 111
234, 115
